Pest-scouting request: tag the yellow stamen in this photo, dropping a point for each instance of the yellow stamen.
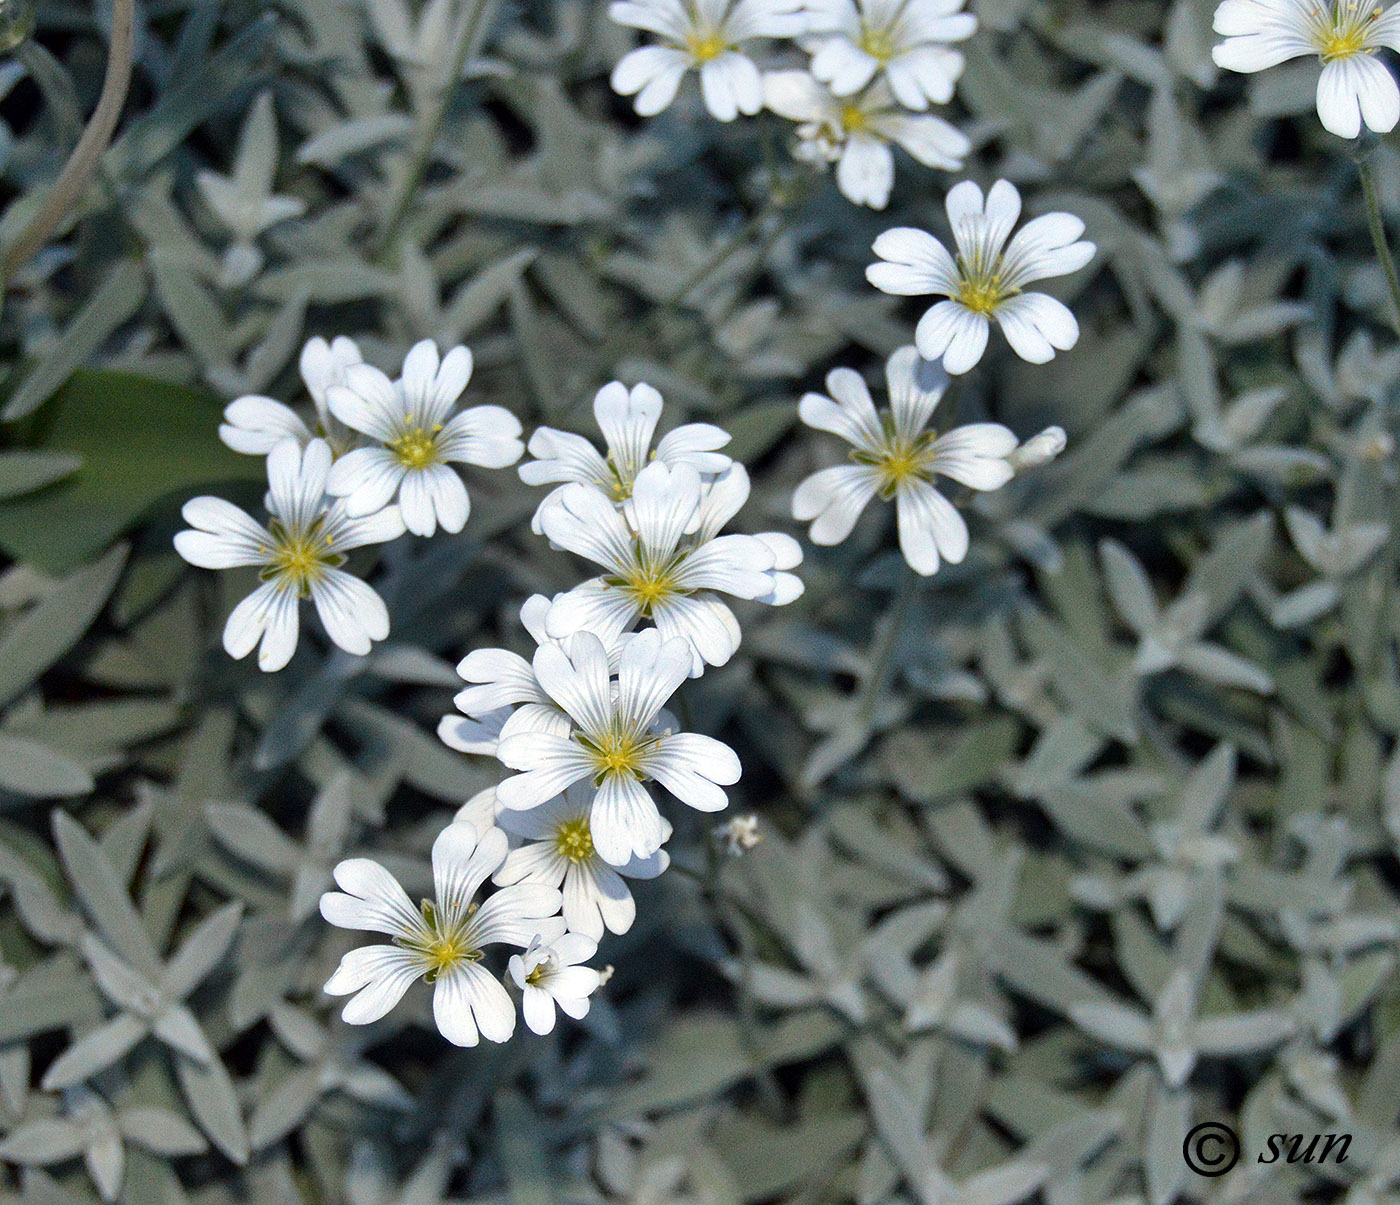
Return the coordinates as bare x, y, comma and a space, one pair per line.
616, 754
442, 949
878, 44
1345, 30
298, 559
983, 294
853, 119
704, 47
899, 460
417, 449
574, 840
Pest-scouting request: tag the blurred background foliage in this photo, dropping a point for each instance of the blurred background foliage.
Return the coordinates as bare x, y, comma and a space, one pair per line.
1087, 840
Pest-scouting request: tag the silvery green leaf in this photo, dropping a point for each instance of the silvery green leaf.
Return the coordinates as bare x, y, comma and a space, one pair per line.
283, 1109
119, 297
47, 1140
161, 1131
29, 768
201, 951
103, 895
49, 629
348, 138
248, 833
95, 1051
214, 1104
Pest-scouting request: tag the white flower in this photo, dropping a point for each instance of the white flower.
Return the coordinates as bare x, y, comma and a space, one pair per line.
739, 835
300, 552
416, 437
615, 743
705, 35
855, 133
665, 558
987, 278
1344, 34
255, 424
442, 941
897, 458
854, 40
561, 853
549, 974
504, 696
628, 421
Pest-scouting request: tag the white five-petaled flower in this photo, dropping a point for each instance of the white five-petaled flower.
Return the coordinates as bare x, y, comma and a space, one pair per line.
1345, 34
987, 278
300, 552
560, 853
442, 940
665, 559
855, 133
417, 437
548, 974
897, 458
615, 743
627, 419
855, 40
255, 424
706, 35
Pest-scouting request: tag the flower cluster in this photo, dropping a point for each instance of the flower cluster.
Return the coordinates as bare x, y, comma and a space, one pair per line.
373, 464
876, 67
894, 454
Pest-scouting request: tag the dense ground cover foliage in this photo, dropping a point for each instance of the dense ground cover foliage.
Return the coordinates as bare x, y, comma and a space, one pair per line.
823, 573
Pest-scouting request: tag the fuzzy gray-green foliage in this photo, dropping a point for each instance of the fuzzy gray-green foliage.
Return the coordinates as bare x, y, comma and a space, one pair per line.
1080, 843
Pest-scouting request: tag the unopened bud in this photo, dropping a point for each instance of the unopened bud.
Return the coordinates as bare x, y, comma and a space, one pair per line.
1039, 449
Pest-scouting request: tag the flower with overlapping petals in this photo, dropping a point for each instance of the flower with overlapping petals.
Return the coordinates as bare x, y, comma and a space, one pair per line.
666, 562
548, 975
627, 419
1355, 88
417, 436
615, 744
897, 458
986, 280
559, 851
443, 940
706, 36
299, 553
255, 425
906, 41
857, 132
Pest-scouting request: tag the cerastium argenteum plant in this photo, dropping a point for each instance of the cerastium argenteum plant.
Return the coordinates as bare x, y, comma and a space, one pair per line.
946, 750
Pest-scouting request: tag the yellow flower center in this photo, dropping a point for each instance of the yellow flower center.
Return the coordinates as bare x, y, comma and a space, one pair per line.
574, 840
1344, 31
877, 43
539, 974
441, 948
853, 119
615, 754
983, 293
704, 47
417, 448
899, 460
648, 583
297, 560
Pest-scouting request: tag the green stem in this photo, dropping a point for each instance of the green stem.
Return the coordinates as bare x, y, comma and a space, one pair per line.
420, 155
882, 659
82, 163
1378, 237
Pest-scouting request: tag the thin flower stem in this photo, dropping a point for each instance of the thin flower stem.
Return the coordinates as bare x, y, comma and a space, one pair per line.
1376, 222
429, 127
82, 163
882, 659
